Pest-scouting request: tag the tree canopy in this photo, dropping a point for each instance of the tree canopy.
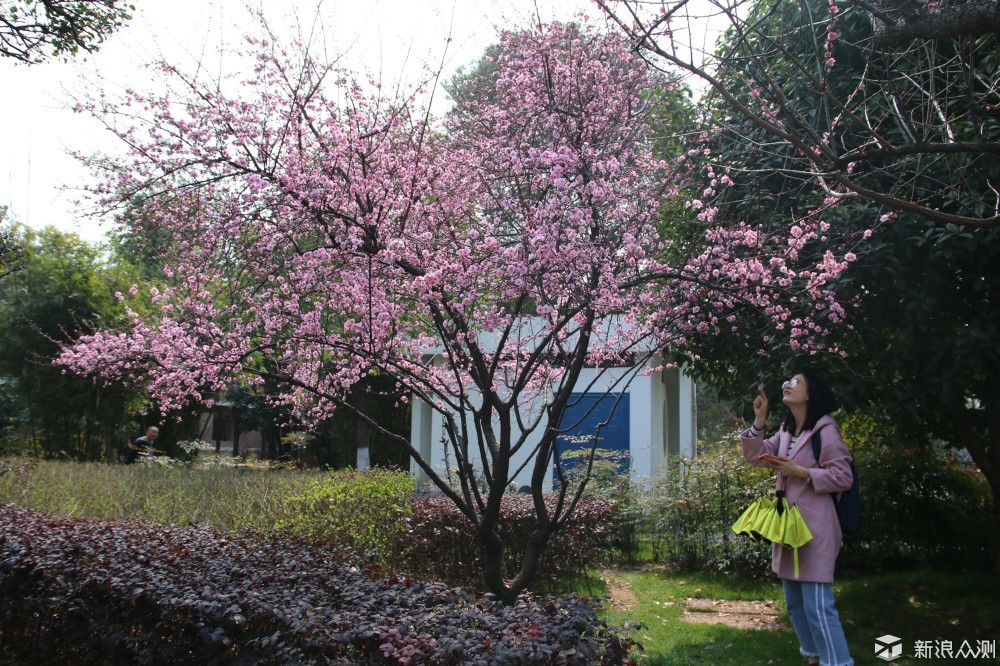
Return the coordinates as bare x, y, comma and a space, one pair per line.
844, 110
11, 252
32, 30
63, 289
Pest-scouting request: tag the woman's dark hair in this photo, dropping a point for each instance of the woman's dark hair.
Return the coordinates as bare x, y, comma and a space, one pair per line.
821, 402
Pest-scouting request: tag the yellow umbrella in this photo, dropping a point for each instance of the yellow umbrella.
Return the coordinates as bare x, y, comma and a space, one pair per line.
752, 521
769, 528
774, 520
793, 531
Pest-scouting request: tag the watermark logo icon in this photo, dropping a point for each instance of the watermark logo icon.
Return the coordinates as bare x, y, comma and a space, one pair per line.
888, 647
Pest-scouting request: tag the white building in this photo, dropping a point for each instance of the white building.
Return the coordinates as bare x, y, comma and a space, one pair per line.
655, 417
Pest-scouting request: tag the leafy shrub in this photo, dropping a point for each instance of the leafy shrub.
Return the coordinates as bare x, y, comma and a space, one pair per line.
691, 509
78, 591
365, 510
369, 511
440, 543
609, 483
921, 508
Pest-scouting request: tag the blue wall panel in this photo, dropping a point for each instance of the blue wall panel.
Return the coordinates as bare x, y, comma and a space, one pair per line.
583, 415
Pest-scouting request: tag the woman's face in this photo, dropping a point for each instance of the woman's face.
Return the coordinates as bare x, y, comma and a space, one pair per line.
795, 391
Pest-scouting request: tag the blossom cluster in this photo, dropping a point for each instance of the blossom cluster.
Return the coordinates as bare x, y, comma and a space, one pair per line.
321, 232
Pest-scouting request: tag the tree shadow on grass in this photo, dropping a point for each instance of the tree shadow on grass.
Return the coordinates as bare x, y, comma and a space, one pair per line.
719, 644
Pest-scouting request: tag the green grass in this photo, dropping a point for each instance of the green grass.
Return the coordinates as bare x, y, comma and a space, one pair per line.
225, 498
668, 640
922, 605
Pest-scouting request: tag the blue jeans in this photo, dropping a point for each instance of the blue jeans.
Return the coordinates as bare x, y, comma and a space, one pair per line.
817, 624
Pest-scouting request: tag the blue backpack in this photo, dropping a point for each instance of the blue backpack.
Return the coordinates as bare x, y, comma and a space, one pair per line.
849, 504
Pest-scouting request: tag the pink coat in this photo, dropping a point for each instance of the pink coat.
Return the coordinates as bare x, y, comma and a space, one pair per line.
832, 474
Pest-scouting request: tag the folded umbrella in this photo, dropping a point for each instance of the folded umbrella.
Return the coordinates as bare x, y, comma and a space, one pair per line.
772, 529
774, 520
755, 519
793, 532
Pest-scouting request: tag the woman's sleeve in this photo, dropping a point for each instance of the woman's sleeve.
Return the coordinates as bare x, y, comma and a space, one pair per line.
755, 445
834, 472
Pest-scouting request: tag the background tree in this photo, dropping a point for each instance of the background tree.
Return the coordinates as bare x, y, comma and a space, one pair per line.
323, 234
144, 246
63, 288
11, 252
32, 30
346, 441
915, 120
856, 117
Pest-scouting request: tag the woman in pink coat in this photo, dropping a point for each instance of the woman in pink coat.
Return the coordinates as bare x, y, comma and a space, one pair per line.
808, 483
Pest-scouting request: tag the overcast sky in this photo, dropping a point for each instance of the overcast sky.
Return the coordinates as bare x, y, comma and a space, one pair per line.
393, 39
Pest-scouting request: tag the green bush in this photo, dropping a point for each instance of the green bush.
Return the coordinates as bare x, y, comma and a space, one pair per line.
921, 508
691, 509
371, 512
609, 484
366, 511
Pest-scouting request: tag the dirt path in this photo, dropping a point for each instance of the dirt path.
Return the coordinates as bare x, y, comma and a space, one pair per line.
739, 614
622, 596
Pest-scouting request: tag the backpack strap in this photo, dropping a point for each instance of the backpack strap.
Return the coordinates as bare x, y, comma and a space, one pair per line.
817, 444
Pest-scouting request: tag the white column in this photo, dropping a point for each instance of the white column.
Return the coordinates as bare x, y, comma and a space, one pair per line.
687, 415
421, 436
640, 437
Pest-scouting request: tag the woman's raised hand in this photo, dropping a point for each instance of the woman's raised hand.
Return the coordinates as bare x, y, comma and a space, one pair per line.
760, 409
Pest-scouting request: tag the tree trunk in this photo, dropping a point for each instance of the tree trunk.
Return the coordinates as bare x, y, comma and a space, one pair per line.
495, 569
31, 426
985, 451
217, 431
494, 573
276, 443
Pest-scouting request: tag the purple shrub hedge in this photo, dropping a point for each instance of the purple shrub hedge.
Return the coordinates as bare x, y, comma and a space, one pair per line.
90, 592
439, 542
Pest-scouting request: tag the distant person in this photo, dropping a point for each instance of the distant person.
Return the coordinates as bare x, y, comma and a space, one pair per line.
142, 445
809, 484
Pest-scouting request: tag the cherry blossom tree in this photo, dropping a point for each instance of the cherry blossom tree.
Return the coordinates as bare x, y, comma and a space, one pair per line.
316, 233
